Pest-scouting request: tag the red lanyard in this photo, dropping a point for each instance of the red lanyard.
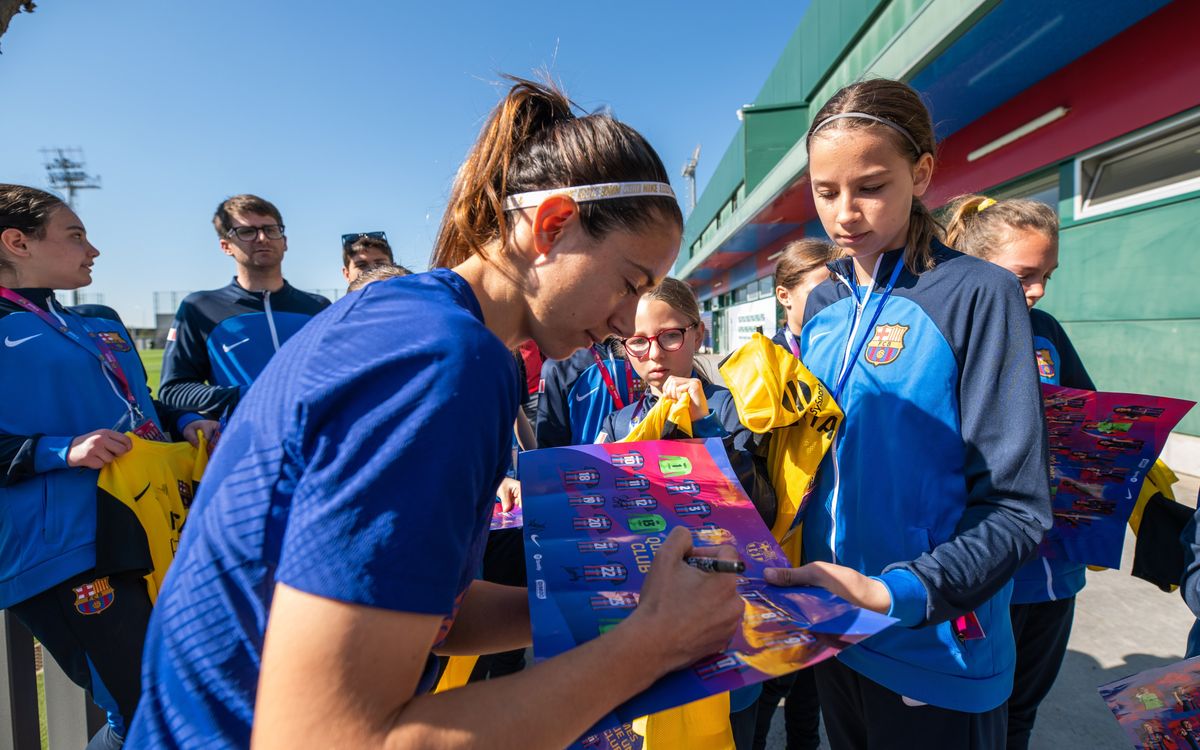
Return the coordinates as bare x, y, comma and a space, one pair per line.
608, 379
103, 351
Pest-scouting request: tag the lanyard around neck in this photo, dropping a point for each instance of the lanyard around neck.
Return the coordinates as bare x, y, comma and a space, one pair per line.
852, 356
608, 379
102, 351
792, 343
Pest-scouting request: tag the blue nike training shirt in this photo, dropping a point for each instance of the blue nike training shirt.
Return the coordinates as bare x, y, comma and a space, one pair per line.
361, 466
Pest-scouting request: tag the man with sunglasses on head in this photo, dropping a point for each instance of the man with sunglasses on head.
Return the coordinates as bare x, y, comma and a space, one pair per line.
222, 339
362, 251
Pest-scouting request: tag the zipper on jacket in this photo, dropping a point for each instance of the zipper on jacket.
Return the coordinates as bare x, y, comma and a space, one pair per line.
837, 474
1049, 580
270, 319
50, 306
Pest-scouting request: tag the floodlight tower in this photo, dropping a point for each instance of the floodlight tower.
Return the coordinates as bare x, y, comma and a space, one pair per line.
689, 174
65, 170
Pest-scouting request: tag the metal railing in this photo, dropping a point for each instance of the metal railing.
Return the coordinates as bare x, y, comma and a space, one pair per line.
70, 716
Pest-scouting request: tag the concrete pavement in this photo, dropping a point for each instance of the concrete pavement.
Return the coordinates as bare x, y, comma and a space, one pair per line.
1123, 625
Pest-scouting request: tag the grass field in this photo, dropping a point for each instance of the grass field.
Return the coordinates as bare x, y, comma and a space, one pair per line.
152, 358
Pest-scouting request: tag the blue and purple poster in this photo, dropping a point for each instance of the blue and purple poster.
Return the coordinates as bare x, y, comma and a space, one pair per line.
1159, 709
594, 517
1101, 446
512, 519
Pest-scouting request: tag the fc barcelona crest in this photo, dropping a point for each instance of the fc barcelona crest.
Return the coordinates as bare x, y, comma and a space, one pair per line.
1045, 364
185, 492
95, 597
886, 344
115, 340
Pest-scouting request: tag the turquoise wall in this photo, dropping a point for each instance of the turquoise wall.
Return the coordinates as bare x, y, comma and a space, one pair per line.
1127, 293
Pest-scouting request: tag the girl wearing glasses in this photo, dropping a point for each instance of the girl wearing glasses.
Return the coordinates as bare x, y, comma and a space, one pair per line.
667, 334
344, 517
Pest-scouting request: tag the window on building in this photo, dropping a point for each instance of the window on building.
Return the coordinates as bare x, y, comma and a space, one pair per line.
1160, 163
741, 294
1042, 188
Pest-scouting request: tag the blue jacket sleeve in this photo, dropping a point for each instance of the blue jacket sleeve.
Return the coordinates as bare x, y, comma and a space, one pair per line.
1006, 468
22, 456
1189, 584
187, 371
17, 458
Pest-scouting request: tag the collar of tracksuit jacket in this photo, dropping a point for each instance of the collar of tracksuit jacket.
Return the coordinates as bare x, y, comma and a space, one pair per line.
240, 330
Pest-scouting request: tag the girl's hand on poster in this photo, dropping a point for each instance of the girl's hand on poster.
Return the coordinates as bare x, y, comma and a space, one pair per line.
674, 387
509, 493
211, 429
96, 449
847, 583
687, 613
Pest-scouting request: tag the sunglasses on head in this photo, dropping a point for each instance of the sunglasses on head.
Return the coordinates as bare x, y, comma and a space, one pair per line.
350, 239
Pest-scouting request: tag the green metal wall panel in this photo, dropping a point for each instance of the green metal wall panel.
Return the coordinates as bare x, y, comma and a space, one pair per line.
769, 135
1136, 315
1138, 266
1149, 356
881, 34
823, 34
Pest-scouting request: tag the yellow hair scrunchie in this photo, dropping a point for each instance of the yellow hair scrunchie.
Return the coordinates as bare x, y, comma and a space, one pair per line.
985, 203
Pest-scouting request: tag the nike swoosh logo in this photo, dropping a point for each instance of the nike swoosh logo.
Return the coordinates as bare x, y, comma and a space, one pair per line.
533, 538
816, 336
145, 489
10, 343
230, 347
582, 396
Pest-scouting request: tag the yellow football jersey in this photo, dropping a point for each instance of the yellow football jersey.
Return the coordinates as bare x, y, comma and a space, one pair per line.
157, 481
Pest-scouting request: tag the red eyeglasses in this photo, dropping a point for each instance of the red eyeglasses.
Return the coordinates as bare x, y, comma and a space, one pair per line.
669, 340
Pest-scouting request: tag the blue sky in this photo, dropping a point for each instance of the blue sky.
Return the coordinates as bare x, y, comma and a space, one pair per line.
350, 116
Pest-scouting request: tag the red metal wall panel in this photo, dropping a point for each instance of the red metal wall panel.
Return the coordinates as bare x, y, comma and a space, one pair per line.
1149, 72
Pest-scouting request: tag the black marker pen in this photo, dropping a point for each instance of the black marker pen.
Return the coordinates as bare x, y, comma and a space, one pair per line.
715, 565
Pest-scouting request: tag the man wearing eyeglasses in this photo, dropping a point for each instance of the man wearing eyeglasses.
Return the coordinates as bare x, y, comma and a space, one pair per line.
362, 251
222, 339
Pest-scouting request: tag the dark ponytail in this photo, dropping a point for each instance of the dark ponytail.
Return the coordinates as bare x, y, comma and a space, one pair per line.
533, 141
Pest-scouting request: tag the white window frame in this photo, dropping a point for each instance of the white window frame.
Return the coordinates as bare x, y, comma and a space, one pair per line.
1149, 139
